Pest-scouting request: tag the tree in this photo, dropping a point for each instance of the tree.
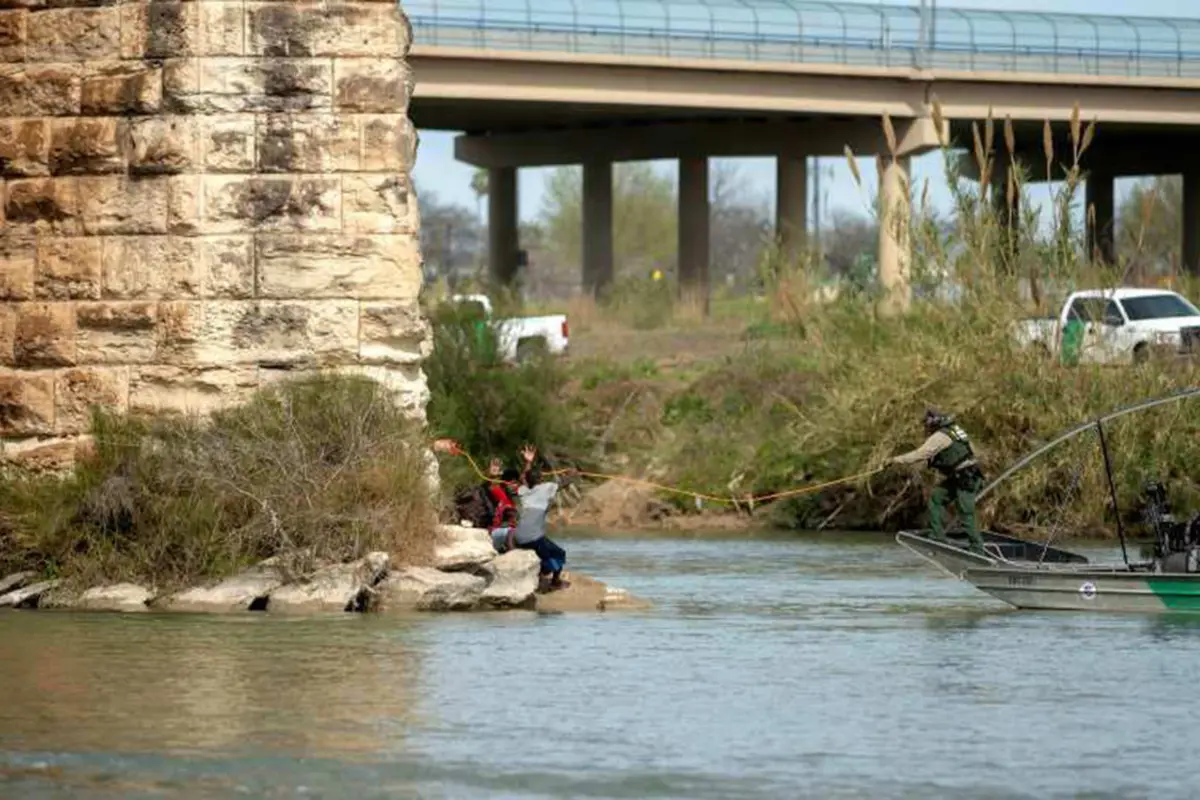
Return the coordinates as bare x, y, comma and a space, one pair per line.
451, 236
479, 185
740, 224
1149, 224
850, 241
644, 219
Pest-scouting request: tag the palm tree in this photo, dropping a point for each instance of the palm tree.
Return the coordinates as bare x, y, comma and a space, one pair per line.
479, 185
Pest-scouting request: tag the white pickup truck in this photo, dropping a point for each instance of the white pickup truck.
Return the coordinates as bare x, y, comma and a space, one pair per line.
524, 337
1122, 325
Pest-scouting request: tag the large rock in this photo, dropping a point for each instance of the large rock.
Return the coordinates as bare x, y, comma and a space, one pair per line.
335, 588
15, 581
27, 596
512, 580
247, 591
460, 548
127, 597
588, 594
425, 589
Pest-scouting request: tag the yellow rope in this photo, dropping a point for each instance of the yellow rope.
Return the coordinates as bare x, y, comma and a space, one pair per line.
688, 493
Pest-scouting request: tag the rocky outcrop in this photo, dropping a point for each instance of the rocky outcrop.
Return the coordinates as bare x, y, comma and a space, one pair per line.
462, 548
196, 199
337, 587
27, 596
427, 589
512, 580
124, 597
15, 581
588, 594
247, 591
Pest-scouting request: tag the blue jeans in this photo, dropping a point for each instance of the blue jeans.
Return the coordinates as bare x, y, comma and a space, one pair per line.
553, 557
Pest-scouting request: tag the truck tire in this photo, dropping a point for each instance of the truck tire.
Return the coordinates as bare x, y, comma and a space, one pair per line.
530, 349
1141, 353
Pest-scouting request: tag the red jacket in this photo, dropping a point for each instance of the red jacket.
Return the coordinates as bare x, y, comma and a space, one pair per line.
503, 502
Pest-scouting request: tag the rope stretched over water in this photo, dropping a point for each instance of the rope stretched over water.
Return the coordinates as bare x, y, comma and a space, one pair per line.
750, 499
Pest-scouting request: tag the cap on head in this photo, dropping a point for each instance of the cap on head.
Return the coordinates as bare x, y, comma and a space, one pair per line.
510, 475
935, 419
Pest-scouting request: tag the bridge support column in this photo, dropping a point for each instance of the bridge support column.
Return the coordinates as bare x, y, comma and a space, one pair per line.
1098, 197
895, 243
791, 205
503, 241
1191, 222
693, 232
597, 226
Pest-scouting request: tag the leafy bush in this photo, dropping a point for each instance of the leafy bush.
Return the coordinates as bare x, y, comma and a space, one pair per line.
322, 468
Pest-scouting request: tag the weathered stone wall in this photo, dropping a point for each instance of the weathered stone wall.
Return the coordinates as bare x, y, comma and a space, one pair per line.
200, 197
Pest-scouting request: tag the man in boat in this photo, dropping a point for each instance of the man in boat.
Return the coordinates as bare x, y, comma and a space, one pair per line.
948, 450
535, 496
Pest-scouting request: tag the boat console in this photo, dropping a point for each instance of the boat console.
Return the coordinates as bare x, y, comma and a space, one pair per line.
1176, 543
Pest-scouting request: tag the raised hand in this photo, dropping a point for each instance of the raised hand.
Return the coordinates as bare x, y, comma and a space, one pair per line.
529, 453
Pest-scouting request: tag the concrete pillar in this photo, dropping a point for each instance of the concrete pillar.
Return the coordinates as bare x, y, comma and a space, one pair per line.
1191, 222
693, 231
1098, 196
895, 243
157, 255
791, 205
503, 243
597, 226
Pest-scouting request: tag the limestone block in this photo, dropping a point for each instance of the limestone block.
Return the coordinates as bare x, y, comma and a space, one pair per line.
116, 332
393, 333
512, 579
278, 332
87, 145
219, 85
371, 86
8, 333
42, 205
120, 205
325, 29
17, 259
28, 90
77, 391
45, 335
12, 34
74, 34
189, 390
235, 204
179, 330
183, 204
378, 204
24, 147
163, 145
220, 29
40, 454
68, 268
26, 403
406, 383
309, 143
227, 263
460, 548
389, 143
293, 266
151, 267
228, 143
168, 29
425, 589
122, 90
335, 588
242, 592
123, 597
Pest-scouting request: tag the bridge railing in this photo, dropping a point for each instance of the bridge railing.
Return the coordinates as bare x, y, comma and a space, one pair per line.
809, 31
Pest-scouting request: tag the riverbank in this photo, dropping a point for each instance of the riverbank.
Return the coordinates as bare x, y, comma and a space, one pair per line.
796, 393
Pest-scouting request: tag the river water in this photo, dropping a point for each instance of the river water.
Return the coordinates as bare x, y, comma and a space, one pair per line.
830, 666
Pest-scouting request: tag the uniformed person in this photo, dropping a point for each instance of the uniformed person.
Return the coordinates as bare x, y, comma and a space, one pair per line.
948, 450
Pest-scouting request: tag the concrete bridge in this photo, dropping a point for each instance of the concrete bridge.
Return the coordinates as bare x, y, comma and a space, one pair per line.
619, 80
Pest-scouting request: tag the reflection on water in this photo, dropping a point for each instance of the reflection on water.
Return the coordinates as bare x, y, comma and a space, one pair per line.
835, 666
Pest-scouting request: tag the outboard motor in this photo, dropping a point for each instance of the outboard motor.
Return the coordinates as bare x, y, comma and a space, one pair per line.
1176, 544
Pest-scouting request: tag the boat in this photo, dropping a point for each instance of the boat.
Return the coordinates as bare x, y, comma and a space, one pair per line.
1034, 575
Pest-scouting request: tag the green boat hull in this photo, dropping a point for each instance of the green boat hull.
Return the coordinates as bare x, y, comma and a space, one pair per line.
1090, 589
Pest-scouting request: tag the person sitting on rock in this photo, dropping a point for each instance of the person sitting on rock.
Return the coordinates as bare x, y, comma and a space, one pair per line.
504, 492
535, 496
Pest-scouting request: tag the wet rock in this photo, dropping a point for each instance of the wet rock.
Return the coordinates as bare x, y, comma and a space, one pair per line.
248, 591
588, 594
462, 548
512, 580
425, 589
27, 596
15, 581
334, 588
127, 597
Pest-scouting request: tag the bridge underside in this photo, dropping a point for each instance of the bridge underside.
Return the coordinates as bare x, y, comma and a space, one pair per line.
535, 110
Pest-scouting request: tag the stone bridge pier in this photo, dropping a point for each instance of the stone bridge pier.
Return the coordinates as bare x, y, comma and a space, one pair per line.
199, 198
